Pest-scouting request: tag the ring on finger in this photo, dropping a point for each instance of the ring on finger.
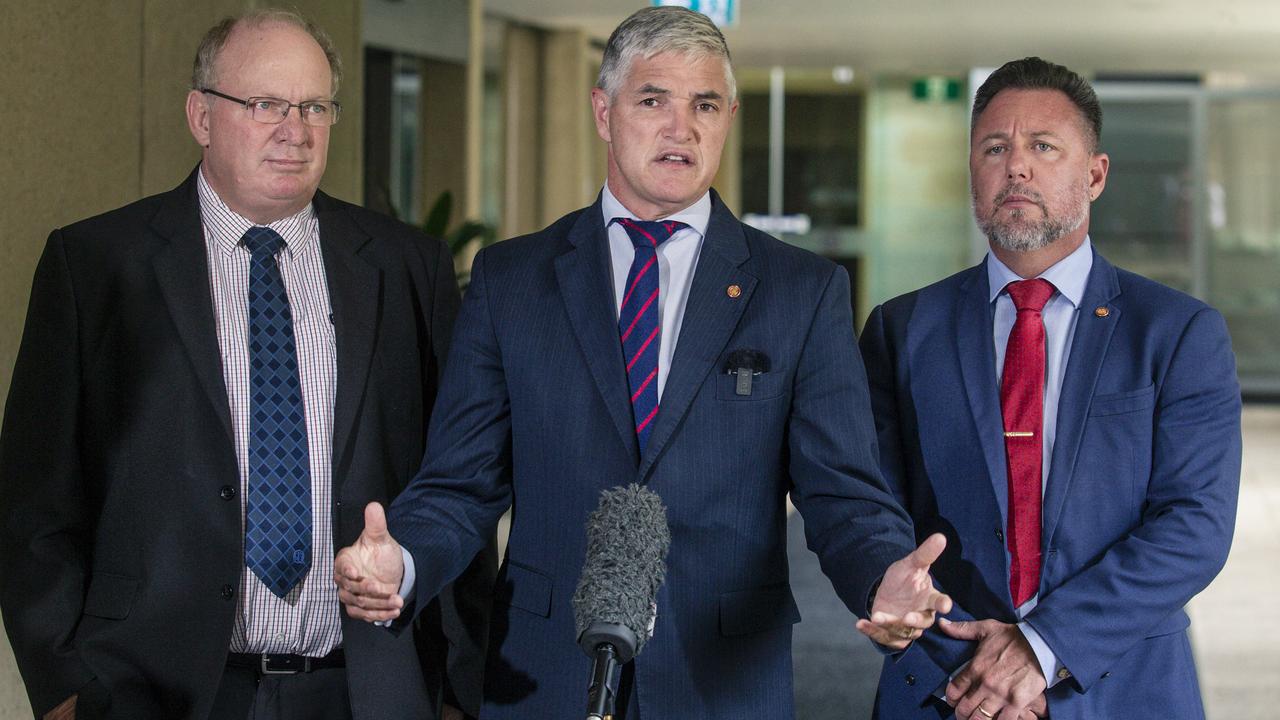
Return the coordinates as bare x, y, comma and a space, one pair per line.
984, 711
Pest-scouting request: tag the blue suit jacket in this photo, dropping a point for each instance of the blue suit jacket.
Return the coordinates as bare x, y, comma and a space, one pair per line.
534, 413
1139, 504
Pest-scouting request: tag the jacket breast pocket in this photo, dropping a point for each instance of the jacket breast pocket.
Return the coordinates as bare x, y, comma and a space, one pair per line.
110, 596
527, 589
1123, 402
757, 609
765, 386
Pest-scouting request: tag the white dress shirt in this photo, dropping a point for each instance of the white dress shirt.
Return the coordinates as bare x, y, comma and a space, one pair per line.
307, 620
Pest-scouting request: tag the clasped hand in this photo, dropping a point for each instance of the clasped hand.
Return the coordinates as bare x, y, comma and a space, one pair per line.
1003, 680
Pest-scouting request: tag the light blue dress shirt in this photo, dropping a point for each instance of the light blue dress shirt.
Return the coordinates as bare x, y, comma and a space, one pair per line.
1069, 277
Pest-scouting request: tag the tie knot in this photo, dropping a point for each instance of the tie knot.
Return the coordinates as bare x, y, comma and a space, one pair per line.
649, 233
263, 241
1030, 294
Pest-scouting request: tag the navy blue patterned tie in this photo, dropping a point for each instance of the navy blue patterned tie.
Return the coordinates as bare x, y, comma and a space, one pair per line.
638, 323
277, 538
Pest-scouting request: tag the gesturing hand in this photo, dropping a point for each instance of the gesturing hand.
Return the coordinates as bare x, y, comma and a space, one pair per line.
906, 603
1003, 679
369, 572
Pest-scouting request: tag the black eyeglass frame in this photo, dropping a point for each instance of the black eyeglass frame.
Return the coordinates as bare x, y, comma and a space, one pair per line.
249, 103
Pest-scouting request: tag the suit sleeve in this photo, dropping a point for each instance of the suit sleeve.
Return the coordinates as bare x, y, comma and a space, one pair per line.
464, 603
47, 515
851, 520
1182, 540
931, 659
450, 510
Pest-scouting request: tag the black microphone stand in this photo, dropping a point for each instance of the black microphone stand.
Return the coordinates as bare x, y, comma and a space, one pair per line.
609, 645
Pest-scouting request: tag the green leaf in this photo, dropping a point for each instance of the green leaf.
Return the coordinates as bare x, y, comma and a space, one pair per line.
437, 222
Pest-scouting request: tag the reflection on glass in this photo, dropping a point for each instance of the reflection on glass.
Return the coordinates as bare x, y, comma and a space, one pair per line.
1244, 231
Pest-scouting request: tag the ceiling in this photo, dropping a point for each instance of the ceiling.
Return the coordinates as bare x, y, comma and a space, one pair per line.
1231, 37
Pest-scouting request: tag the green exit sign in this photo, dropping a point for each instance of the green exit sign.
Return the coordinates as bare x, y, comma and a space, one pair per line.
936, 88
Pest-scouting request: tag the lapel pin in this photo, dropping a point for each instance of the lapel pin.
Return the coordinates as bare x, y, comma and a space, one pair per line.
1101, 311
733, 291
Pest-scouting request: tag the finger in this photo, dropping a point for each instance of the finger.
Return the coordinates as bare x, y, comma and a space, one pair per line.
370, 589
940, 603
375, 524
969, 704
928, 552
369, 602
881, 635
1039, 706
371, 615
959, 685
960, 630
346, 566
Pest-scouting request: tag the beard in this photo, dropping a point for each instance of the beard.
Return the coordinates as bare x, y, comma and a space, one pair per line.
1018, 233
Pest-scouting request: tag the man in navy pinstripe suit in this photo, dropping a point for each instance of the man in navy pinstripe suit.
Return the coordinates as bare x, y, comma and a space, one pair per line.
542, 408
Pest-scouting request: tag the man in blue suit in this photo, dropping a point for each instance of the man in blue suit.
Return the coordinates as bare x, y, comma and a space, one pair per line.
1072, 428
597, 353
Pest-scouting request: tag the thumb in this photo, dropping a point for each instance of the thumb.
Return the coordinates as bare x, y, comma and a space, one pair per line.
928, 552
960, 630
375, 524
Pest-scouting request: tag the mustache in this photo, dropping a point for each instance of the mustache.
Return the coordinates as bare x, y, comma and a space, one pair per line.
1015, 189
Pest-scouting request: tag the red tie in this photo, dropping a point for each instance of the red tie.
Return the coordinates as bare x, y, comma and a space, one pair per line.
1022, 405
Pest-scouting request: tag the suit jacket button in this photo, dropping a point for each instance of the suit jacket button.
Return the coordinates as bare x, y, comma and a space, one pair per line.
228, 592
911, 679
227, 492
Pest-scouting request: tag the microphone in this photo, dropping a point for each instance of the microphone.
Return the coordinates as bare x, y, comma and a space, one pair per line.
745, 364
614, 605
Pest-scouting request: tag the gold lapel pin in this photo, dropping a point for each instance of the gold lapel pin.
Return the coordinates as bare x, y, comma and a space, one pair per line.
733, 291
1101, 311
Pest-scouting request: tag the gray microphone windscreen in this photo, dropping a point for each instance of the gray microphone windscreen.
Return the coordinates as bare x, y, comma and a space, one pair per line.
627, 542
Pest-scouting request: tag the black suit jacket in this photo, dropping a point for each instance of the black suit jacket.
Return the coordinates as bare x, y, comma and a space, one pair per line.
120, 546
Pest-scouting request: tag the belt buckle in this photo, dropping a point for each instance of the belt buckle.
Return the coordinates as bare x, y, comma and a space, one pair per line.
267, 668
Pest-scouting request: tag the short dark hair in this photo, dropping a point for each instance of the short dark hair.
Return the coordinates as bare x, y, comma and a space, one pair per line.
1033, 73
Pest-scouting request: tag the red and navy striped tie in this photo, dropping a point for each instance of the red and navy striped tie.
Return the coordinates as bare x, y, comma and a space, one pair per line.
638, 323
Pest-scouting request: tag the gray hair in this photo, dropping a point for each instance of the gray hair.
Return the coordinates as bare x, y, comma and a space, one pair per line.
655, 30
203, 73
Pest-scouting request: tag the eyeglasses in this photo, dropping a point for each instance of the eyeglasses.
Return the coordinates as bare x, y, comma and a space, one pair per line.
273, 111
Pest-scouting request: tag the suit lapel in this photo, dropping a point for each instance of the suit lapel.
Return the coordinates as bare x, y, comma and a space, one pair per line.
585, 277
182, 272
709, 319
354, 288
976, 348
1088, 348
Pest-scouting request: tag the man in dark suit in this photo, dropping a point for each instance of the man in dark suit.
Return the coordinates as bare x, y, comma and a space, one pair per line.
1072, 428
593, 354
212, 384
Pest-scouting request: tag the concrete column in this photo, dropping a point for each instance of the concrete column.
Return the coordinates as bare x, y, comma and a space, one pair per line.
567, 126
521, 207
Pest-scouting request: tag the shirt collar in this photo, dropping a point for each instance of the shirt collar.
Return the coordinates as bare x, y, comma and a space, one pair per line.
1069, 275
697, 216
227, 227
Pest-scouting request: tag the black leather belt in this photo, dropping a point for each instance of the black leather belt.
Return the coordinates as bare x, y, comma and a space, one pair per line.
283, 664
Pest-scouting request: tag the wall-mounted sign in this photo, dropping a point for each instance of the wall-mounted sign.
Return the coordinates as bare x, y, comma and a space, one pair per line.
723, 13
936, 88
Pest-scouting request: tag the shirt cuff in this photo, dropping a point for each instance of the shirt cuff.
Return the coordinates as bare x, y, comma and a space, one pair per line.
1049, 663
406, 584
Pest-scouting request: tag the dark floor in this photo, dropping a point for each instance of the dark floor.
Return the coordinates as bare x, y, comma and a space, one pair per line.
836, 667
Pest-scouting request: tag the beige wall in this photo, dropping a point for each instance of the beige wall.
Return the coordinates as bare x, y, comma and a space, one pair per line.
92, 119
